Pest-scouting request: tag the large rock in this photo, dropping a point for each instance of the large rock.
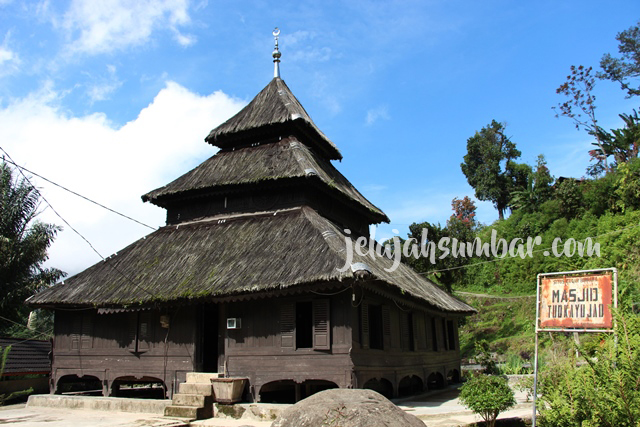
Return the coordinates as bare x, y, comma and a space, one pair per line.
346, 408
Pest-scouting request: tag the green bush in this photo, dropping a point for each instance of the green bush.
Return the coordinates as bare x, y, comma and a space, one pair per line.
514, 365
603, 392
487, 396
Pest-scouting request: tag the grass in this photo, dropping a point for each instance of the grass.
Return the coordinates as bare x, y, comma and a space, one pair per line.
508, 324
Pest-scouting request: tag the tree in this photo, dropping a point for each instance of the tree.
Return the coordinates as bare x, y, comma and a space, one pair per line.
581, 108
462, 227
23, 247
570, 198
487, 396
627, 67
623, 143
538, 189
487, 152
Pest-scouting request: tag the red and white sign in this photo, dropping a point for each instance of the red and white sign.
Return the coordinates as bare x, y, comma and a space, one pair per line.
576, 301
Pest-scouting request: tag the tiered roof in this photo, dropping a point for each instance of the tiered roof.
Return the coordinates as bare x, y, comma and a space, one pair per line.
274, 111
239, 256
272, 141
282, 161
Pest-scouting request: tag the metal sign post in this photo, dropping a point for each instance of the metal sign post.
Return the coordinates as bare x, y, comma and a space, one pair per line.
573, 301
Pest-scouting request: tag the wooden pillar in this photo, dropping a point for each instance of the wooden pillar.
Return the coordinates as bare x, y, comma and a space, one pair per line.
298, 392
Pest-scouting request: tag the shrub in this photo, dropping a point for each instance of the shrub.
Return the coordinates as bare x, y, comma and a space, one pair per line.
487, 396
605, 391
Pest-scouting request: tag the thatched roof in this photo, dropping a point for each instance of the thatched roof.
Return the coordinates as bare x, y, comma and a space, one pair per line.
273, 110
239, 255
277, 161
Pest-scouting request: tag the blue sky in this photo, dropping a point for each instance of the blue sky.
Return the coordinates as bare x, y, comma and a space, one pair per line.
113, 98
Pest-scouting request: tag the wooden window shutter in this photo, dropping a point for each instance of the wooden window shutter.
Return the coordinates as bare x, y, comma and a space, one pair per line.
86, 336
144, 330
386, 327
413, 332
434, 335
76, 331
133, 331
427, 332
451, 334
364, 324
405, 335
287, 324
444, 334
321, 325
420, 334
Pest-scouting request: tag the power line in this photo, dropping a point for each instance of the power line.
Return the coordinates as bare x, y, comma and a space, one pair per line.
505, 257
71, 227
77, 194
44, 334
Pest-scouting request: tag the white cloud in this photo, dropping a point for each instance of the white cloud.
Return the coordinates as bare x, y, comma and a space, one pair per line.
9, 60
109, 25
300, 47
113, 166
185, 40
106, 86
376, 114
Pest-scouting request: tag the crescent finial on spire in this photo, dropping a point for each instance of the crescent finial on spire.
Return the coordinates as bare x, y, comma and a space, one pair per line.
276, 54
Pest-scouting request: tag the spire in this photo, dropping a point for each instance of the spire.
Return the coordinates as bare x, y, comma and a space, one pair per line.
276, 55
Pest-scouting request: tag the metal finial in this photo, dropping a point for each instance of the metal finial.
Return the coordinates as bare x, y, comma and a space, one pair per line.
276, 54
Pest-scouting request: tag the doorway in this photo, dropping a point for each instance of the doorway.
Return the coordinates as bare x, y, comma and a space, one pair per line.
208, 338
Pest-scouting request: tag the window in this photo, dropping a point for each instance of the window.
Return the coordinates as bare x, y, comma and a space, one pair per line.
376, 340
412, 342
452, 336
434, 334
406, 332
81, 336
139, 331
305, 324
375, 326
444, 334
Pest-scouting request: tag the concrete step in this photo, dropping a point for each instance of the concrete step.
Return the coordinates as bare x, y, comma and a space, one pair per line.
201, 377
181, 399
195, 388
191, 412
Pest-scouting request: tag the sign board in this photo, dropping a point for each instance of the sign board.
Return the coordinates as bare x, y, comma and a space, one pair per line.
570, 301
578, 301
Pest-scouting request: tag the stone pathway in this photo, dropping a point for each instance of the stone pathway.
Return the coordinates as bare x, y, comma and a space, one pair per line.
440, 408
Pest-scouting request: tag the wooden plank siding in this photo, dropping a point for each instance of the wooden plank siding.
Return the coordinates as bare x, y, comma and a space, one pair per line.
409, 350
307, 337
269, 345
123, 345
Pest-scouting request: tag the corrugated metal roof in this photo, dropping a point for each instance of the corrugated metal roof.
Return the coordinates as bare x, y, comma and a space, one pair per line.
26, 356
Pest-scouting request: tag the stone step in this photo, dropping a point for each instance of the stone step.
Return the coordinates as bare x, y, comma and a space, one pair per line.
195, 388
182, 399
201, 377
191, 412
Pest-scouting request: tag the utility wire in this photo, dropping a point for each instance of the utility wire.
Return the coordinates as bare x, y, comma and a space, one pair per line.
77, 194
506, 257
45, 334
71, 227
51, 207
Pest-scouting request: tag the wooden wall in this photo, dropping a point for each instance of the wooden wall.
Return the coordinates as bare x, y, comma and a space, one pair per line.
123, 345
297, 193
343, 339
415, 341
269, 348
